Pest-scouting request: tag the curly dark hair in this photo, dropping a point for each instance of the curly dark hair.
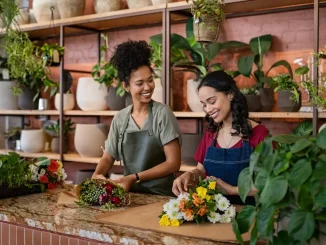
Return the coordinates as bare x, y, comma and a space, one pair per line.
224, 83
129, 56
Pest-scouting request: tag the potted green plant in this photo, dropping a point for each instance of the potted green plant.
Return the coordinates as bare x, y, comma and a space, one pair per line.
51, 54
289, 174
54, 131
207, 18
12, 135
253, 98
105, 73
289, 95
265, 84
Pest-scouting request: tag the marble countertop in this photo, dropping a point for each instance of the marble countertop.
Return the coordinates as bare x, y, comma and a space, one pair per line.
42, 211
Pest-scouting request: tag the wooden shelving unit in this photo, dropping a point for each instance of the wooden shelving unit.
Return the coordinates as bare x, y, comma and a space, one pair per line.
29, 112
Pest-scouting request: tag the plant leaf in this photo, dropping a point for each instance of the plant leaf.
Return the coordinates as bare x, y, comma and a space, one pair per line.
302, 70
236, 231
287, 138
245, 218
261, 45
212, 50
300, 173
303, 129
300, 145
302, 225
319, 171
244, 183
260, 180
265, 221
274, 190
233, 44
282, 63
321, 139
320, 200
245, 65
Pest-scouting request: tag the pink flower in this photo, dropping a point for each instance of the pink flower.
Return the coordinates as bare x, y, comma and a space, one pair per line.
103, 198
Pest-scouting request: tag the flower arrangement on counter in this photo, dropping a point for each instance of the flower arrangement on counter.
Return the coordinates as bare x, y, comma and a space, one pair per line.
205, 204
105, 193
48, 172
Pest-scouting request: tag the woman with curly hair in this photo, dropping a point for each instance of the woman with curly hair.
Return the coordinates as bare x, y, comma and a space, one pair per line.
226, 146
145, 135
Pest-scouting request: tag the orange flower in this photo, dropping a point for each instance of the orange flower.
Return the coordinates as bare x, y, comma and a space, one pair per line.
189, 214
182, 205
53, 166
197, 201
202, 211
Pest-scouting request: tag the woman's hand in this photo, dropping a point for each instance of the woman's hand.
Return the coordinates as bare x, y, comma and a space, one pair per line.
228, 189
98, 176
126, 182
181, 183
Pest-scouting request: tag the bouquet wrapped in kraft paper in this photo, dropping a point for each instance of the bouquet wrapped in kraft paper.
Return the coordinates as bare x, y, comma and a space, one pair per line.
105, 193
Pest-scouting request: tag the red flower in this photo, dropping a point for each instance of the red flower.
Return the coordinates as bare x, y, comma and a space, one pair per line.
53, 166
115, 200
44, 179
52, 185
109, 187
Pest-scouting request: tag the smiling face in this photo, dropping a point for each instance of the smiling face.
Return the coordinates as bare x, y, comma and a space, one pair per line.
141, 85
216, 104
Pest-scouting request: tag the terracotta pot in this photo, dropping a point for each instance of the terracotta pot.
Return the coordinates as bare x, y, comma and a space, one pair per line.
42, 10
32, 140
91, 95
89, 138
285, 104
193, 97
158, 91
103, 6
68, 102
133, 4
7, 100
253, 102
158, 2
266, 99
207, 30
25, 100
71, 8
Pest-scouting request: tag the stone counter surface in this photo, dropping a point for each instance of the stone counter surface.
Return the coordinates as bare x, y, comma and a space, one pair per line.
42, 211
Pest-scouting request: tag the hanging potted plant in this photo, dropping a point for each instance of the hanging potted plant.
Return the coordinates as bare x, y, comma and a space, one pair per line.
207, 18
253, 98
51, 54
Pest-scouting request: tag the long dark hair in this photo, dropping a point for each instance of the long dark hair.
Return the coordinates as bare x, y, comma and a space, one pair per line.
222, 82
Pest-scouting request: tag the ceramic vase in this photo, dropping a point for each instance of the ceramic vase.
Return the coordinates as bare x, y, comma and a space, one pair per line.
32, 140
133, 4
71, 8
68, 102
7, 100
104, 6
42, 10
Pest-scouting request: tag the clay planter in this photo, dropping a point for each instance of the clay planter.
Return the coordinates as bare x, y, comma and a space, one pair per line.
133, 4
266, 99
25, 100
158, 2
42, 10
89, 138
103, 6
285, 104
32, 140
193, 97
7, 100
91, 95
55, 145
71, 8
253, 102
68, 102
207, 30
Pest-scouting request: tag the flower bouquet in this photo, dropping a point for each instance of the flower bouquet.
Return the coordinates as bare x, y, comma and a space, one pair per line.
105, 193
205, 204
48, 172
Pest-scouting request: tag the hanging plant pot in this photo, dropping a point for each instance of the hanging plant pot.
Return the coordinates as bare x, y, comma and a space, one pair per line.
193, 97
206, 29
116, 102
7, 100
285, 104
104, 6
68, 102
32, 140
25, 100
253, 102
42, 10
71, 8
133, 4
158, 2
266, 99
89, 138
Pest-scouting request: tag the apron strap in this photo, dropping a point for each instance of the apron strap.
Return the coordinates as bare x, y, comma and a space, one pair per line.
150, 119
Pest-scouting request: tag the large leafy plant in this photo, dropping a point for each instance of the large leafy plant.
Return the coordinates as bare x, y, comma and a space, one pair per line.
291, 182
259, 47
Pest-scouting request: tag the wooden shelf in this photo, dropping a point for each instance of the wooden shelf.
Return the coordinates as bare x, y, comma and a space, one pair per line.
29, 112
90, 113
49, 155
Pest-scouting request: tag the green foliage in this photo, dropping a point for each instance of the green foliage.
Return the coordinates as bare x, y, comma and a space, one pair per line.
291, 182
47, 51
259, 47
304, 128
250, 90
207, 9
104, 72
8, 11
12, 132
67, 127
284, 82
14, 171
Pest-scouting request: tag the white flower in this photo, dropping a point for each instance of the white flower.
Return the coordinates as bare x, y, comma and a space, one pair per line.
230, 212
218, 197
33, 169
223, 204
35, 177
42, 172
187, 218
183, 196
62, 174
174, 215
214, 217
173, 205
225, 219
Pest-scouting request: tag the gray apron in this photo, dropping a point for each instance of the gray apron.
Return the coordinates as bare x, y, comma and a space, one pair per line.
140, 151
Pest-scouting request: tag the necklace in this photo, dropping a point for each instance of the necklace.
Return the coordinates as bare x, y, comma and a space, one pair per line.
227, 145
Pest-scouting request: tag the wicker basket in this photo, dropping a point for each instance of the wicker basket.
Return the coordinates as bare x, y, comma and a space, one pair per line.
207, 30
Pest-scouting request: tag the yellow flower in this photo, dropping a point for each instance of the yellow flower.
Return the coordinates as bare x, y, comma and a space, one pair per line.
164, 221
201, 191
212, 185
208, 197
60, 165
175, 222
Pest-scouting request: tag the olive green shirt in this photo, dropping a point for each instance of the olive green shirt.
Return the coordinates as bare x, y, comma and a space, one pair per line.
165, 127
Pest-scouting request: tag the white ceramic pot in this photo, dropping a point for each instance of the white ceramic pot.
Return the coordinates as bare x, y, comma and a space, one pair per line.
5, 73
103, 6
89, 138
71, 8
68, 102
193, 97
42, 10
7, 100
32, 18
32, 140
23, 17
158, 2
133, 4
158, 91
91, 95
